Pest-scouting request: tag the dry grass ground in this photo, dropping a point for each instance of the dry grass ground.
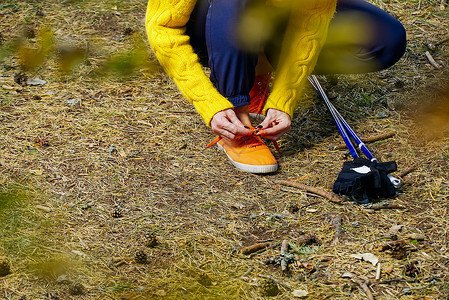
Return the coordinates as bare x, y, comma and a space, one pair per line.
106, 191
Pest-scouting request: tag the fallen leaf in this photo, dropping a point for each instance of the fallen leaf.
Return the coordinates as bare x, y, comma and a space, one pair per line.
369, 257
36, 172
79, 253
63, 279
74, 102
347, 275
395, 229
44, 208
300, 293
388, 269
307, 265
237, 205
36, 81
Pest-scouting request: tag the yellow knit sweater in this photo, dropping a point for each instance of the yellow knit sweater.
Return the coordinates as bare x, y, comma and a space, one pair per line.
166, 26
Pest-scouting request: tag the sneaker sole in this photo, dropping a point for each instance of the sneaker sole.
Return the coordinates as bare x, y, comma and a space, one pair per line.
250, 168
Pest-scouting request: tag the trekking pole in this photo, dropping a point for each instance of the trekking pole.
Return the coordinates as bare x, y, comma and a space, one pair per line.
345, 130
341, 126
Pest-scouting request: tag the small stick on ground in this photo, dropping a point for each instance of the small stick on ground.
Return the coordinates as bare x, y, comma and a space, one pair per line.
406, 172
376, 239
247, 272
272, 246
20, 137
376, 138
432, 61
284, 251
331, 197
93, 97
254, 248
302, 193
378, 271
365, 288
284, 247
384, 205
336, 222
44, 208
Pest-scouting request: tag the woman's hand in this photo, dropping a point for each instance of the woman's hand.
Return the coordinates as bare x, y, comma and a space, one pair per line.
275, 124
227, 125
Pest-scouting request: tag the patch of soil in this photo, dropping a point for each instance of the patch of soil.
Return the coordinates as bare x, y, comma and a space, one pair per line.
85, 144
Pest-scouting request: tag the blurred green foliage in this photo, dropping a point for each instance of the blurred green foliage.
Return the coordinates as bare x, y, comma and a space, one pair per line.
127, 62
120, 63
53, 267
12, 202
31, 57
36, 44
24, 238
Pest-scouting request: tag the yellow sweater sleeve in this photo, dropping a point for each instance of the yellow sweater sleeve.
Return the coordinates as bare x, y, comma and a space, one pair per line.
166, 26
305, 36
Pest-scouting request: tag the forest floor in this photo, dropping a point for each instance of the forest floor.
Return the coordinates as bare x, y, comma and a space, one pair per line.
107, 192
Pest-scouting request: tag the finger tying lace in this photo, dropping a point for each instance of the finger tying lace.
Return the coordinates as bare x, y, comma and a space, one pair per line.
260, 133
252, 132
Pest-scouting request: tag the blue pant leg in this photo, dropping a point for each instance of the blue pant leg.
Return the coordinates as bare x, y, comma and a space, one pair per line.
382, 46
232, 69
212, 28
196, 30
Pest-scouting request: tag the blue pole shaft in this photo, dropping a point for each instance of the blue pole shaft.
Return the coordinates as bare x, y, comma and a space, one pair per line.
340, 125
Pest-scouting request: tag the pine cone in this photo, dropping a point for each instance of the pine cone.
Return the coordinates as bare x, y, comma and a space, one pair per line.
269, 288
141, 257
21, 79
5, 267
150, 240
117, 213
412, 269
77, 289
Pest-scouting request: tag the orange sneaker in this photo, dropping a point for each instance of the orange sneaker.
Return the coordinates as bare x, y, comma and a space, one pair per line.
259, 94
248, 153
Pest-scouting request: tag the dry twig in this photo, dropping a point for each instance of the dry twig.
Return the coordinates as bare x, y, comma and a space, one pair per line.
375, 240
272, 246
432, 61
336, 222
329, 196
254, 248
284, 251
383, 205
364, 287
406, 172
284, 247
378, 271
372, 139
